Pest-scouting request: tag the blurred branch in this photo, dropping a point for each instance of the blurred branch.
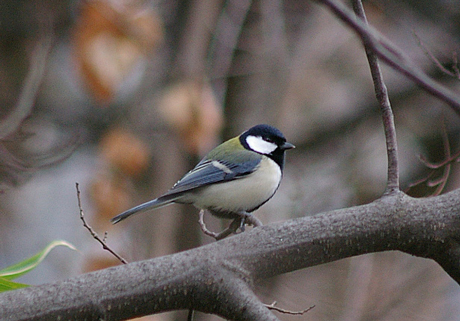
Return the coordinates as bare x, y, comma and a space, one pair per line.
14, 166
228, 30
193, 48
381, 93
455, 73
31, 85
442, 181
392, 55
217, 278
224, 42
446, 166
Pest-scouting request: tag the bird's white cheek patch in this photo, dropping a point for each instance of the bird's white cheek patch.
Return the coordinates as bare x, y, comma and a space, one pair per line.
256, 143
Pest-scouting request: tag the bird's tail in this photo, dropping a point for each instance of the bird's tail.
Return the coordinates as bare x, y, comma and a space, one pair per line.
150, 205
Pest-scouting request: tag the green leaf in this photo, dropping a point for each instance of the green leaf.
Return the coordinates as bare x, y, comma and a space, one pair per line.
14, 271
7, 285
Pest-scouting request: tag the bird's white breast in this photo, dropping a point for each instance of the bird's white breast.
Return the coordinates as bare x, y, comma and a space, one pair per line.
245, 193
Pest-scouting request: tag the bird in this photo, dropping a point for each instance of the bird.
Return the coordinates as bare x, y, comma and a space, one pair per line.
232, 180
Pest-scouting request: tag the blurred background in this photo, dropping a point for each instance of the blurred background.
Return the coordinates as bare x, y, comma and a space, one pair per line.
125, 96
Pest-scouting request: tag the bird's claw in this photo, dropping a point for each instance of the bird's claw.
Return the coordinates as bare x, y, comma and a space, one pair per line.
238, 223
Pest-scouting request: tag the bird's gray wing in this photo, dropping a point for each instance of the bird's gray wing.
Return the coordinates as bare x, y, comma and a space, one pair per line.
211, 171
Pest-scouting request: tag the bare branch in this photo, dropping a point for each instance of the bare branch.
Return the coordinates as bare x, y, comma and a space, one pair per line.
93, 233
284, 311
392, 55
381, 93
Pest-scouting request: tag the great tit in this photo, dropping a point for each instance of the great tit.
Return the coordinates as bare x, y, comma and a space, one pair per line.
232, 180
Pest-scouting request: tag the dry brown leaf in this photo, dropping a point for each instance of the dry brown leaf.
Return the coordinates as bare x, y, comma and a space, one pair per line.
192, 110
110, 39
110, 196
124, 152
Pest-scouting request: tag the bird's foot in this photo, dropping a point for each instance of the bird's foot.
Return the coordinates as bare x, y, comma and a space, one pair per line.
238, 223
249, 219
218, 236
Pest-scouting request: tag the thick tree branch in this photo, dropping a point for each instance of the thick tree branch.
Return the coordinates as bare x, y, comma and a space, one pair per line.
217, 278
392, 55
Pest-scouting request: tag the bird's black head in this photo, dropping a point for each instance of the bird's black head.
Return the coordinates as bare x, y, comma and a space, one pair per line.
266, 140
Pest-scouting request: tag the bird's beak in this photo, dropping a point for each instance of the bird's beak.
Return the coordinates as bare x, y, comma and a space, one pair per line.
286, 145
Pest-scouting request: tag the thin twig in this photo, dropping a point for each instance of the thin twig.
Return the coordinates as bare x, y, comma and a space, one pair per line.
273, 307
436, 60
446, 164
455, 64
93, 233
451, 159
381, 93
419, 181
441, 183
392, 55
